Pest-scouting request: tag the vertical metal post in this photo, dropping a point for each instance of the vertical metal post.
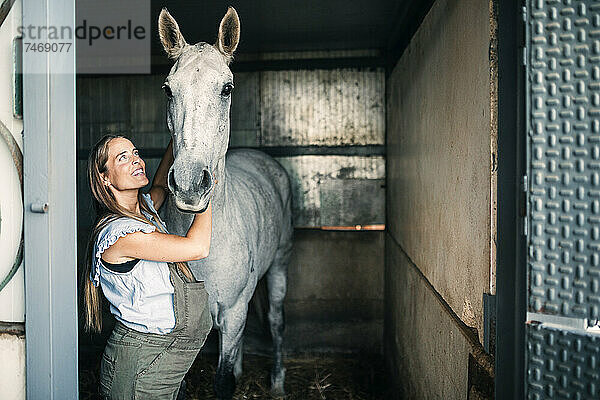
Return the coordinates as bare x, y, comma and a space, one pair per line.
50, 231
511, 272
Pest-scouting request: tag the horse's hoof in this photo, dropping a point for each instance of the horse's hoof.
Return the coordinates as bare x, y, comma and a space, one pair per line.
277, 392
277, 380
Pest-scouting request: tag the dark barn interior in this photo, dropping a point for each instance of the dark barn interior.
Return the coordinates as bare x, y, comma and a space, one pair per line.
382, 113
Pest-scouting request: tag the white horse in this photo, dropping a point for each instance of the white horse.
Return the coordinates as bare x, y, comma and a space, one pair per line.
252, 219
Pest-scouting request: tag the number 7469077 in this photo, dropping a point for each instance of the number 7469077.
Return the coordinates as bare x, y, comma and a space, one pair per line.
55, 47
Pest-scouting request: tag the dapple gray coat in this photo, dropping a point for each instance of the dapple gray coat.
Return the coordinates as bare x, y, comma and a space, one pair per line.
251, 196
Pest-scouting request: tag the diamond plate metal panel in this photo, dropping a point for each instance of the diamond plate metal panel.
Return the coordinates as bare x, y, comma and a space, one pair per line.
563, 90
562, 364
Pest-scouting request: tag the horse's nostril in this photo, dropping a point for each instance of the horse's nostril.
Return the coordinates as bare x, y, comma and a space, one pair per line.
205, 183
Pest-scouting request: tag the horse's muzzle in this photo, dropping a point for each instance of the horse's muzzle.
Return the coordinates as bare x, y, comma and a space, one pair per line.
191, 196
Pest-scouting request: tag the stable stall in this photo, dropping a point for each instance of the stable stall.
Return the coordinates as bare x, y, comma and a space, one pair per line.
317, 105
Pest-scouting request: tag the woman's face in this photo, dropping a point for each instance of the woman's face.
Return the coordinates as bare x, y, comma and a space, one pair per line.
125, 168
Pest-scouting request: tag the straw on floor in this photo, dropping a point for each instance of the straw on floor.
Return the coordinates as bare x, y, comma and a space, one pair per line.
319, 377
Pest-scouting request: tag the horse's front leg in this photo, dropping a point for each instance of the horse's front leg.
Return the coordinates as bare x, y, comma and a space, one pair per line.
231, 328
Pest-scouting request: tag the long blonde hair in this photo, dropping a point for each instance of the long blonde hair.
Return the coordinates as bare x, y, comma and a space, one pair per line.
107, 209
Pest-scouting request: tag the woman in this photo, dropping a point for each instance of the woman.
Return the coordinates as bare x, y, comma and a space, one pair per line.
161, 311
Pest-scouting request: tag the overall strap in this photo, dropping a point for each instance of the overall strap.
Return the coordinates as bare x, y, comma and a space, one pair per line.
177, 274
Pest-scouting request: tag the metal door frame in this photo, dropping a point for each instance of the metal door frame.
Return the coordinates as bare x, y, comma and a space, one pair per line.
50, 213
511, 275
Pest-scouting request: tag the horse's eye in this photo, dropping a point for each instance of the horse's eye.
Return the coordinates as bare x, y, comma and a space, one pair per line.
227, 89
167, 90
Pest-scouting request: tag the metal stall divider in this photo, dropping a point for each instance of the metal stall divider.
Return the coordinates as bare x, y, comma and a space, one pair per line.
50, 209
562, 186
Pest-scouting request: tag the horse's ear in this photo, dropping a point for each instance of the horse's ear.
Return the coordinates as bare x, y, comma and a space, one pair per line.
170, 36
229, 33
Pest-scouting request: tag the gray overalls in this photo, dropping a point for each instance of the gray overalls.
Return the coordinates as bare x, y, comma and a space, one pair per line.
149, 366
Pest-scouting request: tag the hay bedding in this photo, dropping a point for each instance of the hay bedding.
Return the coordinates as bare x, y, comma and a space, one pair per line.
332, 377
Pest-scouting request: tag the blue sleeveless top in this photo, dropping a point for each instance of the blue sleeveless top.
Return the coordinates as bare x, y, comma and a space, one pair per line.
142, 298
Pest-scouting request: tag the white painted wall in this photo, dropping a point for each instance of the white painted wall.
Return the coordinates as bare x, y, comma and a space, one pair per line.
12, 367
12, 298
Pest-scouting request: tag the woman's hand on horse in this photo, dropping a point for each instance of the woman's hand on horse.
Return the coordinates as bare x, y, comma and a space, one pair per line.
158, 246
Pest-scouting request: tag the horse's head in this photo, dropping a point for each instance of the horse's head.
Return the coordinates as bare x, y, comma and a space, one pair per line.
198, 89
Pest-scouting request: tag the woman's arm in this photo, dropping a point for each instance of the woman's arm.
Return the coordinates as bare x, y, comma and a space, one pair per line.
159, 189
160, 246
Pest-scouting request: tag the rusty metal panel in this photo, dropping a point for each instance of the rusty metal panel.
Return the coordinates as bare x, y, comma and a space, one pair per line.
110, 106
103, 106
136, 106
83, 114
245, 117
350, 202
303, 55
345, 106
322, 107
147, 121
336, 190
278, 108
148, 105
131, 105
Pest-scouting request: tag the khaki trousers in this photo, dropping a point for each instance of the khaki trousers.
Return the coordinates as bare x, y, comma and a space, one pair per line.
149, 366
